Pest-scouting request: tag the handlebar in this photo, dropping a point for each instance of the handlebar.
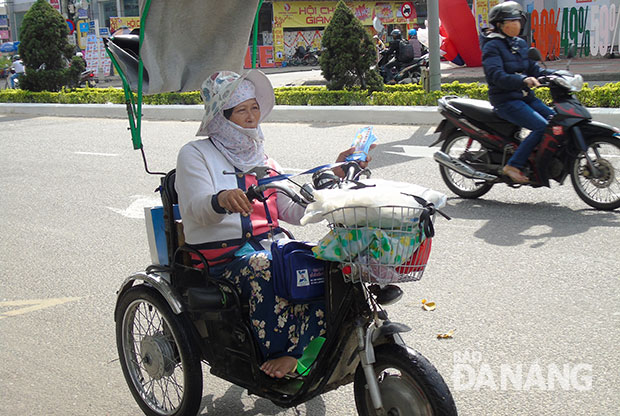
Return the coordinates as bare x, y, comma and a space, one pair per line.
321, 179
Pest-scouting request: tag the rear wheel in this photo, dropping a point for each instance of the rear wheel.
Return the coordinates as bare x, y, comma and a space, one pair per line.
599, 190
159, 361
459, 147
408, 383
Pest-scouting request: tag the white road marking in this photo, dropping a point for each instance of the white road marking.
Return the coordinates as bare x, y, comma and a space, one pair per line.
415, 151
95, 154
136, 208
31, 305
431, 131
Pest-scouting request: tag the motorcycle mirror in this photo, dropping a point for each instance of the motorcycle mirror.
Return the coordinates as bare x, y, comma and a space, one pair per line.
572, 52
534, 54
376, 23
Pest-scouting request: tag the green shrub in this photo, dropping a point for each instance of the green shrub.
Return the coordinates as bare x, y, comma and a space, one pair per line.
45, 50
603, 96
348, 54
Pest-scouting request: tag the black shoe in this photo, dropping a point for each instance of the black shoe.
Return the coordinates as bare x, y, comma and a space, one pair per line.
386, 295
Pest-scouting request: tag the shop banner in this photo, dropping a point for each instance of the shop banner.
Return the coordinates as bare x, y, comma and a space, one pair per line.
300, 14
591, 26
119, 22
482, 8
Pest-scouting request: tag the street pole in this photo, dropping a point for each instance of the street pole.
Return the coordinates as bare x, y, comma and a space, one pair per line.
433, 45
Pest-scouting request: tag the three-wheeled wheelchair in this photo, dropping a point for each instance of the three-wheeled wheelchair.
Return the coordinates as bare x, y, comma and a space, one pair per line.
172, 318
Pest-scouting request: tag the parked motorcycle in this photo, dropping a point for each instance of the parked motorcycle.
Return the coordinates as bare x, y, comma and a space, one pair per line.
88, 78
476, 144
407, 74
305, 56
172, 318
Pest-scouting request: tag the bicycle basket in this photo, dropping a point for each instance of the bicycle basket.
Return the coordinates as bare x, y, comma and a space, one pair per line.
377, 244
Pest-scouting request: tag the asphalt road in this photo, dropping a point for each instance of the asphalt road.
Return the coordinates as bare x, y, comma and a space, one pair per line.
529, 279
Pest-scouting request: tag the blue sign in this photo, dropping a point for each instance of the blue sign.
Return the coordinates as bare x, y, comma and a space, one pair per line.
84, 27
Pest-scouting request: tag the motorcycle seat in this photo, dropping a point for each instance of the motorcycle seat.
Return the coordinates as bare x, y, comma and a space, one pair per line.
477, 109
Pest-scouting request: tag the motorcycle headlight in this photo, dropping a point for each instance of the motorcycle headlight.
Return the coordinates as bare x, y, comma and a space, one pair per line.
576, 83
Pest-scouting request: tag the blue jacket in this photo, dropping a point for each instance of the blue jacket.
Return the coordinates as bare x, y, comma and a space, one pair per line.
506, 65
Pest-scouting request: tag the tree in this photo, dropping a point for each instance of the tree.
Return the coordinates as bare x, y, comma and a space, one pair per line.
45, 50
348, 54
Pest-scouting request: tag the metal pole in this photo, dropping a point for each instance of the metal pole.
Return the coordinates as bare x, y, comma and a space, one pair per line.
255, 37
433, 45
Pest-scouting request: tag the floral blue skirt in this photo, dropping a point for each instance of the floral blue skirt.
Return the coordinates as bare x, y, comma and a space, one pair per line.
281, 328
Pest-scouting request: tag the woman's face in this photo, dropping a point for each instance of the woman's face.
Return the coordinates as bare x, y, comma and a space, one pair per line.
246, 114
511, 28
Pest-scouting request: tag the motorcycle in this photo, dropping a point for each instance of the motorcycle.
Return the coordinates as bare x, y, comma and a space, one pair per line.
401, 74
88, 78
305, 56
476, 144
172, 318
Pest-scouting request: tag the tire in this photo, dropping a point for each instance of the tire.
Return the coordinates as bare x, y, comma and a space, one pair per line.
91, 84
455, 146
602, 192
313, 61
409, 385
159, 361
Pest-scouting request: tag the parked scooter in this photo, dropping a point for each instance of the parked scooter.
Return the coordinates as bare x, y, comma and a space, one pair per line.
305, 56
171, 319
476, 144
88, 78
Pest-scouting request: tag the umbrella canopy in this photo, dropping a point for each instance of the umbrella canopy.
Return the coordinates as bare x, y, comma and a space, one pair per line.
9, 47
185, 41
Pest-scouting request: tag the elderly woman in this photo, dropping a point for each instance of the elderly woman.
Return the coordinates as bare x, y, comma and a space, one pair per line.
231, 232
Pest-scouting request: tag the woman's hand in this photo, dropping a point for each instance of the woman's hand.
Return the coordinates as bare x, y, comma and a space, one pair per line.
234, 200
343, 155
531, 82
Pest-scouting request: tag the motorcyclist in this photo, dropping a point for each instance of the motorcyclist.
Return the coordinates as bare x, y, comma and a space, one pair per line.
402, 50
79, 54
18, 68
418, 48
510, 75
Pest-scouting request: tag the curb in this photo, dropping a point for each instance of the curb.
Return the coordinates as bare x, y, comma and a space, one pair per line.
404, 115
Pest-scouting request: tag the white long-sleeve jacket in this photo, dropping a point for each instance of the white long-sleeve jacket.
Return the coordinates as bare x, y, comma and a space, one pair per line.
199, 177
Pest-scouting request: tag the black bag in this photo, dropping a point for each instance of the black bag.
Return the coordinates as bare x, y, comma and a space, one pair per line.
405, 51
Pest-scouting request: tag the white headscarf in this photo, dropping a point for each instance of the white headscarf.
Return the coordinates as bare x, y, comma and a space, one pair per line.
243, 147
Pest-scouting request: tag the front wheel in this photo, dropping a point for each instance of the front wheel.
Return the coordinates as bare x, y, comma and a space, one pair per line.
159, 361
600, 190
470, 151
408, 383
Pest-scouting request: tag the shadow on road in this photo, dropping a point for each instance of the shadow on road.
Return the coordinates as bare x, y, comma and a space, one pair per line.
512, 224
230, 404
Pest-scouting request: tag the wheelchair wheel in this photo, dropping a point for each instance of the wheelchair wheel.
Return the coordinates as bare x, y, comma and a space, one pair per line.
159, 360
409, 385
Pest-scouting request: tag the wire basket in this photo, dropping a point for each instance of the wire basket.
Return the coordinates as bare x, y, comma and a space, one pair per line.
382, 245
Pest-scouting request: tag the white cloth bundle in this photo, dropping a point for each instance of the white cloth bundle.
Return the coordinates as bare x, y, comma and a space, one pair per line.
383, 193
